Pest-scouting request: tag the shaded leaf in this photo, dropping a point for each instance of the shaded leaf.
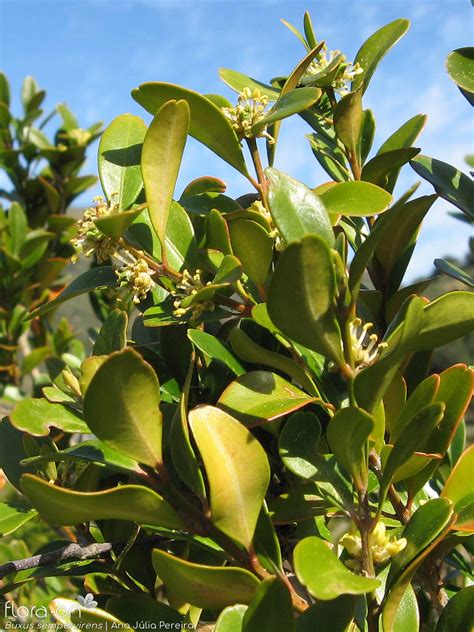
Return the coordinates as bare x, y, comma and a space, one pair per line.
14, 515
216, 350
271, 608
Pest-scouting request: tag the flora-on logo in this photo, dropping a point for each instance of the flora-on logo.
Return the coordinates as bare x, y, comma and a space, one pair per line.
87, 601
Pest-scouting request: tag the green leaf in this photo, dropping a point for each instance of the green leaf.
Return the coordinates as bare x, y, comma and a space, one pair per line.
204, 184
266, 543
238, 81
411, 439
423, 395
93, 279
375, 47
348, 121
14, 515
458, 487
203, 586
237, 470
371, 383
115, 224
385, 166
454, 271
92, 451
427, 526
367, 134
162, 153
121, 407
69, 120
28, 90
270, 609
216, 350
253, 246
298, 448
260, 396
113, 333
63, 507
355, 198
134, 607
348, 434
229, 270
450, 183
460, 67
208, 125
404, 136
447, 318
37, 416
17, 227
287, 105
325, 577
328, 616
119, 155
301, 297
231, 619
296, 210
458, 614
4, 89
250, 351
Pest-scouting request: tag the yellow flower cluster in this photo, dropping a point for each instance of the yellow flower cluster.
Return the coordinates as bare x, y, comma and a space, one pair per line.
90, 240
364, 345
346, 70
188, 287
250, 109
137, 276
382, 545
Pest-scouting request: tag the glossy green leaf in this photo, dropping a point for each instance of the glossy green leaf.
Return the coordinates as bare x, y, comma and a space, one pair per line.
162, 152
324, 575
460, 67
458, 487
249, 351
296, 210
4, 89
14, 515
62, 507
266, 543
329, 156
204, 184
260, 396
385, 166
217, 232
231, 619
375, 47
367, 134
92, 451
238, 81
121, 407
423, 395
348, 121
119, 155
458, 614
216, 350
208, 124
348, 433
371, 383
229, 270
328, 616
404, 136
112, 335
237, 470
454, 271
424, 530
287, 105
135, 608
355, 198
93, 279
253, 246
451, 184
211, 587
447, 318
412, 438
115, 224
37, 416
301, 297
270, 609
298, 448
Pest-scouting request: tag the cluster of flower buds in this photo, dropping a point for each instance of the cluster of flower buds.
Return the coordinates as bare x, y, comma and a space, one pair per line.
90, 240
133, 272
365, 346
382, 545
250, 109
346, 70
258, 207
188, 287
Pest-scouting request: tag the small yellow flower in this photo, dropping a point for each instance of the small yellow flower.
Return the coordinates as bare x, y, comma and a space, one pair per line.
383, 547
137, 276
250, 109
365, 346
346, 70
90, 240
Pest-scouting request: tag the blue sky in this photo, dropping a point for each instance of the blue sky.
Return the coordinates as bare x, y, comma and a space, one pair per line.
91, 53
